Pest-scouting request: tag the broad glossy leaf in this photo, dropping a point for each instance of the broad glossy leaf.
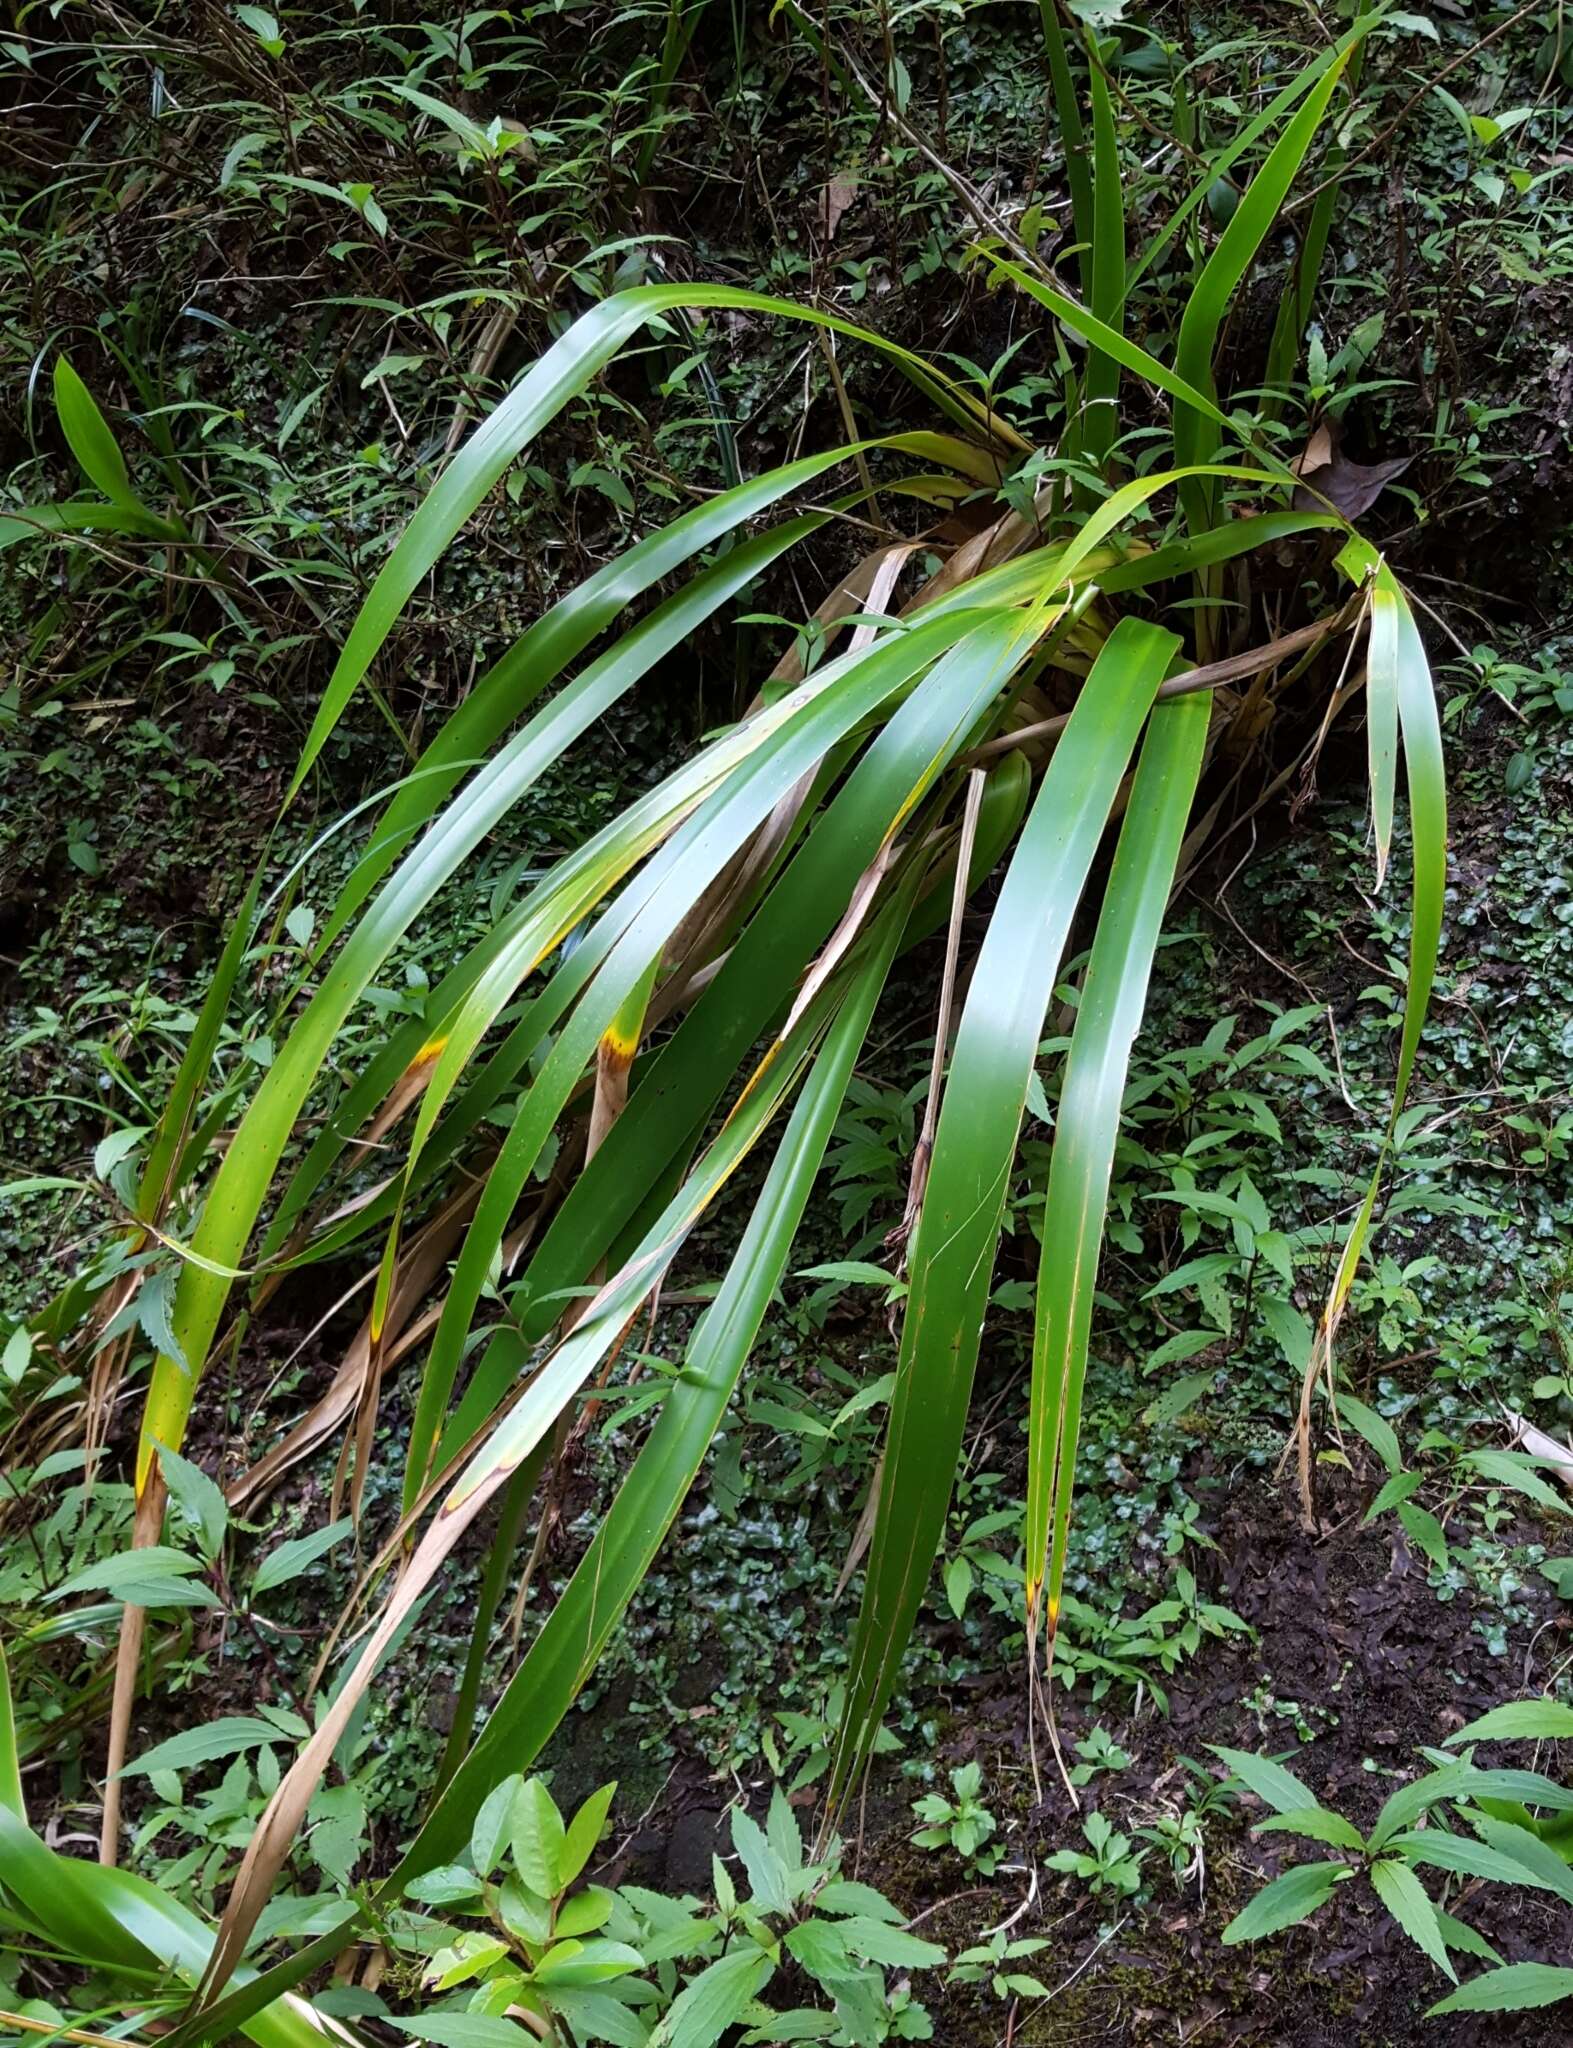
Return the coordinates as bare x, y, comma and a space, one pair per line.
1272, 1784
536, 1832
1542, 1720
716, 2000
1465, 1857
290, 1558
1316, 1824
90, 438
584, 1831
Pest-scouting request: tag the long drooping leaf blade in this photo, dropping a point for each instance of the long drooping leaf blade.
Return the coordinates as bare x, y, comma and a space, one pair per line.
487, 1083
81, 515
514, 682
1100, 335
784, 742
1223, 161
114, 1920
1294, 313
1214, 291
476, 809
689, 1076
10, 1762
1067, 108
1403, 676
961, 684
508, 1444
1087, 1123
161, 1175
957, 1235
242, 1181
567, 367
1009, 583
627, 1539
1106, 294
1381, 715
1223, 543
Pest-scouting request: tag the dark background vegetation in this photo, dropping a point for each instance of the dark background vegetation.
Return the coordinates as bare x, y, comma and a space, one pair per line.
277, 275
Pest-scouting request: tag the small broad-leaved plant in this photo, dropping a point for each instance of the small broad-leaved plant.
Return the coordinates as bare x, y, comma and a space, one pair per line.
1110, 1862
1105, 1648
992, 1962
1179, 1833
963, 1823
544, 1954
843, 1935
809, 1740
1422, 1825
1185, 1617
1099, 1752
636, 1969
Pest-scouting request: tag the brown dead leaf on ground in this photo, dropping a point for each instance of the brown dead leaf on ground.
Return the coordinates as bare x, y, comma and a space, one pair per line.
837, 196
1330, 477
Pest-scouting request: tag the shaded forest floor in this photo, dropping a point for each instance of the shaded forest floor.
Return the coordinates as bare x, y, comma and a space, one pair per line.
134, 808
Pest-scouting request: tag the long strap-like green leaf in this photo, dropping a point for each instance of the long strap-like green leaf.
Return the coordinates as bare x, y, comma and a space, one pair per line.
485, 800
1087, 1123
241, 1183
1401, 698
1101, 383
957, 1238
1213, 293
685, 1081
567, 368
516, 680
961, 684
1012, 583
642, 1511
1223, 161
507, 1444
10, 1762
115, 1920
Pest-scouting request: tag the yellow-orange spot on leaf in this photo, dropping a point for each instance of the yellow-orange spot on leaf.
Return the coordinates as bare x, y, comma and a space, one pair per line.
619, 1045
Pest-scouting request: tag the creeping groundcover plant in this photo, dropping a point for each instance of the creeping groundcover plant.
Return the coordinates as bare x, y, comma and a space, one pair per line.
1066, 679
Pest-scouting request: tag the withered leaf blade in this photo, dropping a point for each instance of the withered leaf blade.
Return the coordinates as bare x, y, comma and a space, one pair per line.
1349, 487
837, 196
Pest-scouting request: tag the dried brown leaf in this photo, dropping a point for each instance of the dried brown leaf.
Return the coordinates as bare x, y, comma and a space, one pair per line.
837, 196
1329, 477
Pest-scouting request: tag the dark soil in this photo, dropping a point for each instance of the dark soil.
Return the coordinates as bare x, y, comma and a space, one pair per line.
1345, 1620
1345, 1623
